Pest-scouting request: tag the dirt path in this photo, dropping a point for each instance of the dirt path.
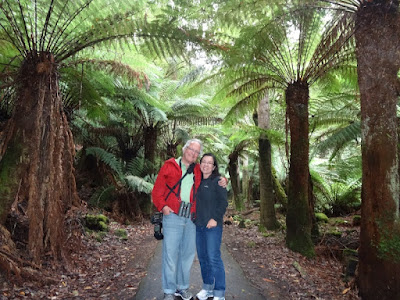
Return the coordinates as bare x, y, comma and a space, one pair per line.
237, 285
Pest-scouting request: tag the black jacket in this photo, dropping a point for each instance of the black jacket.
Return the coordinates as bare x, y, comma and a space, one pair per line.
211, 201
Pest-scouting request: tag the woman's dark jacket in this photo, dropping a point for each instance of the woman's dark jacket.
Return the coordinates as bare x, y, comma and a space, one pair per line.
211, 201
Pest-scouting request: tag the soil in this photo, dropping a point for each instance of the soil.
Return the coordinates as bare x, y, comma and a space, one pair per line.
266, 260
111, 267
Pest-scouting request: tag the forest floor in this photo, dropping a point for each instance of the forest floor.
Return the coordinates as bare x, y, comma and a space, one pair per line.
109, 267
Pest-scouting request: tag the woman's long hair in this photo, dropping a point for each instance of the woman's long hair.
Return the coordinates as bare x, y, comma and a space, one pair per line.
215, 172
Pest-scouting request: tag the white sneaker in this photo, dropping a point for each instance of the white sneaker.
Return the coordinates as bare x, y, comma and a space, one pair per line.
219, 298
204, 294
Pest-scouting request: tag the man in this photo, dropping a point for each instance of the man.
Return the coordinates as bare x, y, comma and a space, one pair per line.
174, 195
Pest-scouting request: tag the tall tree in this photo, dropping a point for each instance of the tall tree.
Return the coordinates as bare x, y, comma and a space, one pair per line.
377, 40
36, 146
267, 199
377, 35
290, 52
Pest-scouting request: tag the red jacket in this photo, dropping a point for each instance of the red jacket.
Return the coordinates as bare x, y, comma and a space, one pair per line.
170, 173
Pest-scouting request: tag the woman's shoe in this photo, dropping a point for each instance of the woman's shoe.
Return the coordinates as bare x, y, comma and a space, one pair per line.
204, 294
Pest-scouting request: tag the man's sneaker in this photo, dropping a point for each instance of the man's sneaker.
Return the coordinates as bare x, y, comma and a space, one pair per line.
204, 294
219, 298
184, 294
169, 297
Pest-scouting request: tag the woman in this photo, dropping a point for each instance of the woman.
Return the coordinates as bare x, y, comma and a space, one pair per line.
211, 205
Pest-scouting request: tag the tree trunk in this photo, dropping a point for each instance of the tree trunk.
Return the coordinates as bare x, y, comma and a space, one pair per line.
298, 219
311, 206
377, 42
267, 199
150, 134
37, 154
245, 180
280, 195
235, 180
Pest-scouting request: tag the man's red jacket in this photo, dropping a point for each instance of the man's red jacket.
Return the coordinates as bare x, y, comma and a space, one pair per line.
170, 173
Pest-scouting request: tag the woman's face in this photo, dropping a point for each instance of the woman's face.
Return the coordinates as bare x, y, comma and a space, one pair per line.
207, 166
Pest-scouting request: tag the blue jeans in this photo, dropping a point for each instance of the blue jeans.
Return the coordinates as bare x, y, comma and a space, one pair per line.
179, 247
208, 242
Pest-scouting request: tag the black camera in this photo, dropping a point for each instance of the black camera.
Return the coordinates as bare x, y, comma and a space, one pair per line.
156, 219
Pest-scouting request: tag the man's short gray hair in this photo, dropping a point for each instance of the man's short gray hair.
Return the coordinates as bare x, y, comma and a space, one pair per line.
193, 141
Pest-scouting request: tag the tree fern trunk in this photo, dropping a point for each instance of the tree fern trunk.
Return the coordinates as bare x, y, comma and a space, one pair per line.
377, 41
298, 219
37, 156
235, 180
245, 180
267, 199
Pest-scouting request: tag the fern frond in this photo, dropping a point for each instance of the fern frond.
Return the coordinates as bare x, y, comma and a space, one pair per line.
139, 167
107, 158
102, 197
340, 138
139, 184
116, 68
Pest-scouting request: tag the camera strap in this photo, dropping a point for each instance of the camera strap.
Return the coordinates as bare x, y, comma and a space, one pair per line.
189, 170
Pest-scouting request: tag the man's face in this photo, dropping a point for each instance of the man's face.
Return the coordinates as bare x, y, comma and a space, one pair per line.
191, 153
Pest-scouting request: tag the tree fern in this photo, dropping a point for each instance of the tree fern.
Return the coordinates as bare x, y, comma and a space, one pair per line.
139, 184
107, 158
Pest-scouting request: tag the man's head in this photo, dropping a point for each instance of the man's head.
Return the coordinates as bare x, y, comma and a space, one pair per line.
191, 151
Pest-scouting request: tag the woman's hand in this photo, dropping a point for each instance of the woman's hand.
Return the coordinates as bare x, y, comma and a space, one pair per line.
223, 182
212, 223
166, 210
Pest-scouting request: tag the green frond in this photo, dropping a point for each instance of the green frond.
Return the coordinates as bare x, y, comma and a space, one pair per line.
102, 197
81, 89
302, 44
320, 186
116, 68
64, 28
140, 99
193, 111
340, 138
107, 158
139, 167
139, 184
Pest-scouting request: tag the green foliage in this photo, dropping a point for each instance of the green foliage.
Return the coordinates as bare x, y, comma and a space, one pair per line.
107, 158
138, 167
96, 222
262, 229
100, 235
139, 184
388, 245
103, 197
65, 28
335, 121
321, 217
122, 234
337, 185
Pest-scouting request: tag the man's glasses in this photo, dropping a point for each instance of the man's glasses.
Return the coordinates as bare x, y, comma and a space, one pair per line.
195, 151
